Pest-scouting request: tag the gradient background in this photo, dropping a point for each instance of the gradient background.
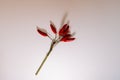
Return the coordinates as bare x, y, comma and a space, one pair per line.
94, 55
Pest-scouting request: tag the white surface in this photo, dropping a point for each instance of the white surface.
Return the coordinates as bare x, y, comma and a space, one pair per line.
94, 55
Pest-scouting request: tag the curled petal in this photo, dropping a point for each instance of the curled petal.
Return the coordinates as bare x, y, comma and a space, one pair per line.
64, 30
53, 28
42, 31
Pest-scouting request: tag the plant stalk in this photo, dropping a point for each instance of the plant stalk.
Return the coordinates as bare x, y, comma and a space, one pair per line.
51, 47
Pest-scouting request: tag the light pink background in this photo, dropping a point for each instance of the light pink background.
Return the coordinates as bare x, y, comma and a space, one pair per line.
94, 55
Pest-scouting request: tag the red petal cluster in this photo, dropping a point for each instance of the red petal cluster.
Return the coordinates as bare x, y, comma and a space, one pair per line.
64, 30
63, 34
67, 38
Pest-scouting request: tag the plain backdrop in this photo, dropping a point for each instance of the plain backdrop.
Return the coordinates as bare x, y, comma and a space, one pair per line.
94, 55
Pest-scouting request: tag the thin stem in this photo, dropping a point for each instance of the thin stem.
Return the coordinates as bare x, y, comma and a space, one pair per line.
51, 47
50, 37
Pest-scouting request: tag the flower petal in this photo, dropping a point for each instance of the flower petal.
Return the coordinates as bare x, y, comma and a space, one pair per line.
67, 39
64, 30
53, 28
67, 36
42, 31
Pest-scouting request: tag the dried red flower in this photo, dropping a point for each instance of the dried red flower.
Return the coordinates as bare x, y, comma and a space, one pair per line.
63, 35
